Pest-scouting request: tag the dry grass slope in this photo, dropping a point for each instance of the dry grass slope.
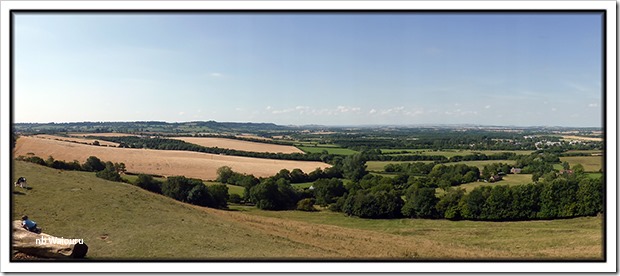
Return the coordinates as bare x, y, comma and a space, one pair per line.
120, 221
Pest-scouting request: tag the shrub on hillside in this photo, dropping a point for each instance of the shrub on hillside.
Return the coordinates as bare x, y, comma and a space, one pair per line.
306, 204
148, 183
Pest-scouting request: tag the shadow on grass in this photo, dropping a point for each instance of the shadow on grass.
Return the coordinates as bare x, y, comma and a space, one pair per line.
18, 193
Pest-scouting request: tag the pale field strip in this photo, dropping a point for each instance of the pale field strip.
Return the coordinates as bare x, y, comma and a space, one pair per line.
247, 135
160, 162
105, 134
226, 143
77, 140
583, 138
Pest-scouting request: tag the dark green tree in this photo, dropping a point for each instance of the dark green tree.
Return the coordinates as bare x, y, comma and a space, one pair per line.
420, 203
200, 195
273, 194
178, 187
590, 195
448, 205
224, 173
109, 173
354, 167
327, 191
148, 183
93, 164
219, 193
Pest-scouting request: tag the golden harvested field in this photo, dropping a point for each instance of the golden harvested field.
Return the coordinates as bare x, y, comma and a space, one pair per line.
160, 162
225, 143
247, 135
106, 134
77, 140
583, 138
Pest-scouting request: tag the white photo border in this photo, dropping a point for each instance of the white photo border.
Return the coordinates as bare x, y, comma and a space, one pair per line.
6, 8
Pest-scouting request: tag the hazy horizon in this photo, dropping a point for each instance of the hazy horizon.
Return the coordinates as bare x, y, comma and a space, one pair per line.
334, 126
329, 68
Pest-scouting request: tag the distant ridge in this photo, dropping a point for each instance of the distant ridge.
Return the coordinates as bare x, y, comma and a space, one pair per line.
244, 127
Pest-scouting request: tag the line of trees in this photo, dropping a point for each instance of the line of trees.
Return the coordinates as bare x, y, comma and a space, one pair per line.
563, 197
106, 170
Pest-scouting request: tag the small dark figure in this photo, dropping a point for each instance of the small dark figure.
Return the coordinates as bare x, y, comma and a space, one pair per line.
30, 225
21, 182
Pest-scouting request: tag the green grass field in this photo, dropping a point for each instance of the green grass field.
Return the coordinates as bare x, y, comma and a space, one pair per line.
232, 189
592, 152
378, 166
481, 163
119, 221
302, 185
589, 163
450, 152
510, 180
330, 150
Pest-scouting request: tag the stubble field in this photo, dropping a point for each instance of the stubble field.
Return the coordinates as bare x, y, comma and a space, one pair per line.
160, 162
77, 140
225, 143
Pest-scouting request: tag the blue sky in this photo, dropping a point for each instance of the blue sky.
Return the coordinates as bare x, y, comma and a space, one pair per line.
523, 69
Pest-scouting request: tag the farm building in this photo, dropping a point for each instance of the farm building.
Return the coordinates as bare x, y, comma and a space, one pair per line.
515, 170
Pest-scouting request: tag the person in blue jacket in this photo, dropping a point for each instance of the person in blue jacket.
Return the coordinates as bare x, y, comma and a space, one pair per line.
29, 225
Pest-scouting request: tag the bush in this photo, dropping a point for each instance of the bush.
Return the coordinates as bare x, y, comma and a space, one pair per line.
235, 198
366, 204
306, 204
148, 183
109, 173
178, 187
421, 203
93, 164
274, 195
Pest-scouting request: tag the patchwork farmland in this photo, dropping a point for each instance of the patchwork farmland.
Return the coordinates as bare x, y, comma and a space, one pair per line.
159, 162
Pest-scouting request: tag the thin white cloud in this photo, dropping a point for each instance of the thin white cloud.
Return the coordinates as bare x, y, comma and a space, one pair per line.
393, 110
346, 109
216, 75
373, 111
487, 106
181, 113
593, 105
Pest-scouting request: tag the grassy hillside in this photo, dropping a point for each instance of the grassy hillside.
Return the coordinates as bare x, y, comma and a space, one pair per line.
120, 221
576, 239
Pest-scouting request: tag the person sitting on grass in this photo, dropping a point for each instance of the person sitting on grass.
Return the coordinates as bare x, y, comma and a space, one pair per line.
30, 225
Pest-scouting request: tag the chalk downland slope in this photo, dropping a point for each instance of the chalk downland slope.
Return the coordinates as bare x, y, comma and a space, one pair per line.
160, 162
226, 143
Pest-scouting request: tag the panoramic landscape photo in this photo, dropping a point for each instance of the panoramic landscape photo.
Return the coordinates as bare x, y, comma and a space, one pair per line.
308, 136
